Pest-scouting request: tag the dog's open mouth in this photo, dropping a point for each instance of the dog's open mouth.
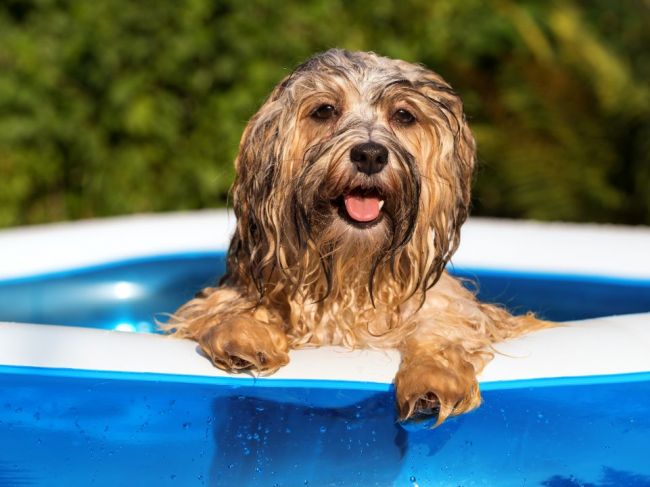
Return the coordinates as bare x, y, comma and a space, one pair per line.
362, 206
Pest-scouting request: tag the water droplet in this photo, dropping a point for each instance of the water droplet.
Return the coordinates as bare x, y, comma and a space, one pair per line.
186, 425
412, 478
323, 429
247, 451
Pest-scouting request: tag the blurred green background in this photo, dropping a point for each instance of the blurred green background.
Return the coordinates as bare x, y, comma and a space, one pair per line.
110, 107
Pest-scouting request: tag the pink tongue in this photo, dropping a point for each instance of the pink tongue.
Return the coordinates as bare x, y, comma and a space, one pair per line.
362, 209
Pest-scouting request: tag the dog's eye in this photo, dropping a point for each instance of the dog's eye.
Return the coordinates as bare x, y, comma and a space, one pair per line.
323, 112
404, 117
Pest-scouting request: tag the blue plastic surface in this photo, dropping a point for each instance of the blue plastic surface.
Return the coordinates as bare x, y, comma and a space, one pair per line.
66, 428
129, 295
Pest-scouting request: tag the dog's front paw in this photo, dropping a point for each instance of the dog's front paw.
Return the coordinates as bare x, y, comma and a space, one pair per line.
245, 344
426, 389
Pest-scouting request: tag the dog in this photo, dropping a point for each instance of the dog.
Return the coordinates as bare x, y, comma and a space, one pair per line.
352, 184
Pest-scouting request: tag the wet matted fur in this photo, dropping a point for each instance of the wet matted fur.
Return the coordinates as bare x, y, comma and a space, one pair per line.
353, 181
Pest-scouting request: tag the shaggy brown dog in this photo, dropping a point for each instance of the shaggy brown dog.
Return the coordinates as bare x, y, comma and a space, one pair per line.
353, 181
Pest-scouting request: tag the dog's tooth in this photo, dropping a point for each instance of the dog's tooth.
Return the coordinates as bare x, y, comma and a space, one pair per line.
381, 204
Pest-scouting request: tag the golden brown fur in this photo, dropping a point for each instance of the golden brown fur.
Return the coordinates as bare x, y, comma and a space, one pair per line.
301, 273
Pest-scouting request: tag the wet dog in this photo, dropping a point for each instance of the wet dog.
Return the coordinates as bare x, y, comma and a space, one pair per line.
353, 181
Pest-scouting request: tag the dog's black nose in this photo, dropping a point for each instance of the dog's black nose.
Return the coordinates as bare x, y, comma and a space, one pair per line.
369, 157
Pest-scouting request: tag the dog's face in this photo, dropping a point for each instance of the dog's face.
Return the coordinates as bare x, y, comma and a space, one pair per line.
356, 163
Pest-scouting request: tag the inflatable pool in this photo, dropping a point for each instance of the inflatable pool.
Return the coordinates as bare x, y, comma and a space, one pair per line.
86, 402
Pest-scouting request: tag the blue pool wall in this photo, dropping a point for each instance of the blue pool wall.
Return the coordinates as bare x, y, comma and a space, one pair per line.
99, 428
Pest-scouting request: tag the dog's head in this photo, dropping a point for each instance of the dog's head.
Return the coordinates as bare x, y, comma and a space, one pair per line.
357, 166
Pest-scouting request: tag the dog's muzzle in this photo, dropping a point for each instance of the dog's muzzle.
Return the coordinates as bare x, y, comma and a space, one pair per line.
364, 206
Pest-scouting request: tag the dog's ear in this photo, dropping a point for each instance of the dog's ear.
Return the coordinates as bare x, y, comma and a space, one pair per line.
452, 171
252, 251
461, 163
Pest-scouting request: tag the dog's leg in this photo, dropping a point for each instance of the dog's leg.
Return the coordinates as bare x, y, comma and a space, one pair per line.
435, 378
234, 333
449, 346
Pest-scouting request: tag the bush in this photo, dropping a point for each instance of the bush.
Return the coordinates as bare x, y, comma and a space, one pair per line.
114, 106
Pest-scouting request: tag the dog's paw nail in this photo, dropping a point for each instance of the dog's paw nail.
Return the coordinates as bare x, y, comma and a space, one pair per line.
427, 405
261, 358
239, 363
424, 407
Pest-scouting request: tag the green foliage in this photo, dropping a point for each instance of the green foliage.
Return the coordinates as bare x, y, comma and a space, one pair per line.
114, 106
